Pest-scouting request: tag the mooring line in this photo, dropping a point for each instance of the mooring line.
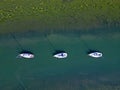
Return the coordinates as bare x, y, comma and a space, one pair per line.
85, 44
21, 83
53, 47
18, 43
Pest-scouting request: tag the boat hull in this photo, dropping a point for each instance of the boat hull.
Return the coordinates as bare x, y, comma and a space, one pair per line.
95, 54
26, 55
60, 55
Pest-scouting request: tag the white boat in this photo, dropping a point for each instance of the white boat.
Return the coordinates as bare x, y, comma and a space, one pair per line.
60, 55
25, 55
95, 54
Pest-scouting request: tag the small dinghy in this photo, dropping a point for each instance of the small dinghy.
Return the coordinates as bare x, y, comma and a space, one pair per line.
60, 54
95, 54
26, 54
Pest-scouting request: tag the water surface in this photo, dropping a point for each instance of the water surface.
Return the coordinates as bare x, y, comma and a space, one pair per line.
76, 72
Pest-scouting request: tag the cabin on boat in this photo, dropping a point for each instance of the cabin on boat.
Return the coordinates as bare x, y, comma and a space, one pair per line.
60, 54
94, 54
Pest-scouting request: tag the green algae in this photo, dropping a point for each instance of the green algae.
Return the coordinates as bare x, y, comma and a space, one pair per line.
62, 13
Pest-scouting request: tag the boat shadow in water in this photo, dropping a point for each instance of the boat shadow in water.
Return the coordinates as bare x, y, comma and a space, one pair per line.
58, 51
26, 51
91, 51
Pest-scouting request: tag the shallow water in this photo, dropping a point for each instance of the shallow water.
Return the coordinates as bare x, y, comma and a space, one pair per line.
76, 72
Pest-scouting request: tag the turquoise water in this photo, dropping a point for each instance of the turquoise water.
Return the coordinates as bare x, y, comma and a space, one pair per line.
76, 72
